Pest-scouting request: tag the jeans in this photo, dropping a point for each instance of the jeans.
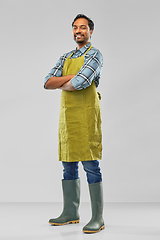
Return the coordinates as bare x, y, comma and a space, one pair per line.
92, 169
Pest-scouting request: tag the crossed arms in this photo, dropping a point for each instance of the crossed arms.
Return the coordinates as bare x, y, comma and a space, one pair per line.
63, 83
90, 71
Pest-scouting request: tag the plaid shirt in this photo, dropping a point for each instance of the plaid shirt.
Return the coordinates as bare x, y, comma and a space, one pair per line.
90, 71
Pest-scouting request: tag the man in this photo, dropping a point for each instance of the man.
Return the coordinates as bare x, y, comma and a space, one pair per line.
77, 74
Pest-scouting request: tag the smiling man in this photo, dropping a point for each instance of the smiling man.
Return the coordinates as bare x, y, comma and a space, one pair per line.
77, 74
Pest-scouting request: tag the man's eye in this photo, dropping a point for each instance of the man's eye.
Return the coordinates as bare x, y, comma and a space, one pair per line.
83, 27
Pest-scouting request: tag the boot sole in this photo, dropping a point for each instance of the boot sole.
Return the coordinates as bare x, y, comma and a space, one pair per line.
88, 231
60, 224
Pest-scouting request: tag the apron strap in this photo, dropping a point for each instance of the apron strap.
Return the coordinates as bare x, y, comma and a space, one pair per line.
99, 95
88, 49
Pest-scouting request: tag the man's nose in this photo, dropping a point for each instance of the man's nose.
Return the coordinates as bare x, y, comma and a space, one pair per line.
78, 30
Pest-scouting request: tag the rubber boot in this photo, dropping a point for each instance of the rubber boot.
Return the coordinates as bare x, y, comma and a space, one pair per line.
96, 195
71, 199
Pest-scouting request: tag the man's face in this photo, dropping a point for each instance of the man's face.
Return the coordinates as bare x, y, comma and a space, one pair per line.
81, 31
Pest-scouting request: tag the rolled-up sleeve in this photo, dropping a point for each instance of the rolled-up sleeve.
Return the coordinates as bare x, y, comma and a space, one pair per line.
90, 71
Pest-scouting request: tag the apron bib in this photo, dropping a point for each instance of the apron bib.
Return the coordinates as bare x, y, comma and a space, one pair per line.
80, 137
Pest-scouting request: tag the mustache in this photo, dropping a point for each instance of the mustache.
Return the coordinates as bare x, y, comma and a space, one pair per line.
75, 35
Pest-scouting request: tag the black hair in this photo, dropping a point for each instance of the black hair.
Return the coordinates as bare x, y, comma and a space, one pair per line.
90, 22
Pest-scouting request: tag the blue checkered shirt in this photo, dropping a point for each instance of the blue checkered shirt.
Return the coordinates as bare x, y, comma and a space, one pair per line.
90, 71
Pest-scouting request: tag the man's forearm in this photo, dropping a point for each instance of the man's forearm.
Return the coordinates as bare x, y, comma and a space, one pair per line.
57, 82
68, 87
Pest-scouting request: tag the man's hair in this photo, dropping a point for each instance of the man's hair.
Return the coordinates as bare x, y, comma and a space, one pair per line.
90, 22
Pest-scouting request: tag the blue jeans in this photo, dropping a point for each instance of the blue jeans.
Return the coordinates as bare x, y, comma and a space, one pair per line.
92, 169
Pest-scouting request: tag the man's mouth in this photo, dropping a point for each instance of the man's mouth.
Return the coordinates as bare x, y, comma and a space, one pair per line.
78, 35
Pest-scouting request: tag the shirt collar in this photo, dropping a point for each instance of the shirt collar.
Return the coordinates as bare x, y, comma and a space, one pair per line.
85, 48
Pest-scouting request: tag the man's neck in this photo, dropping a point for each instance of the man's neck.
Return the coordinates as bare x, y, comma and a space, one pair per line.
80, 45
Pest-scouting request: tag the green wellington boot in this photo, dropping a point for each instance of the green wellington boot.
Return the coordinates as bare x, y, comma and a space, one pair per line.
71, 199
96, 195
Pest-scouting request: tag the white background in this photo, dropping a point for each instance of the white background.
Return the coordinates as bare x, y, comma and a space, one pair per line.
34, 34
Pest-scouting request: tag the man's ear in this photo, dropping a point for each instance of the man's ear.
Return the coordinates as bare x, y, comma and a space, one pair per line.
91, 32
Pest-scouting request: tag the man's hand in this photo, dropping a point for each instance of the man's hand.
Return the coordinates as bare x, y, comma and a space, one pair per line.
58, 82
68, 86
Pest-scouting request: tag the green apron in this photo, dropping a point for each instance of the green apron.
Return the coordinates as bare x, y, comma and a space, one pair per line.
80, 137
